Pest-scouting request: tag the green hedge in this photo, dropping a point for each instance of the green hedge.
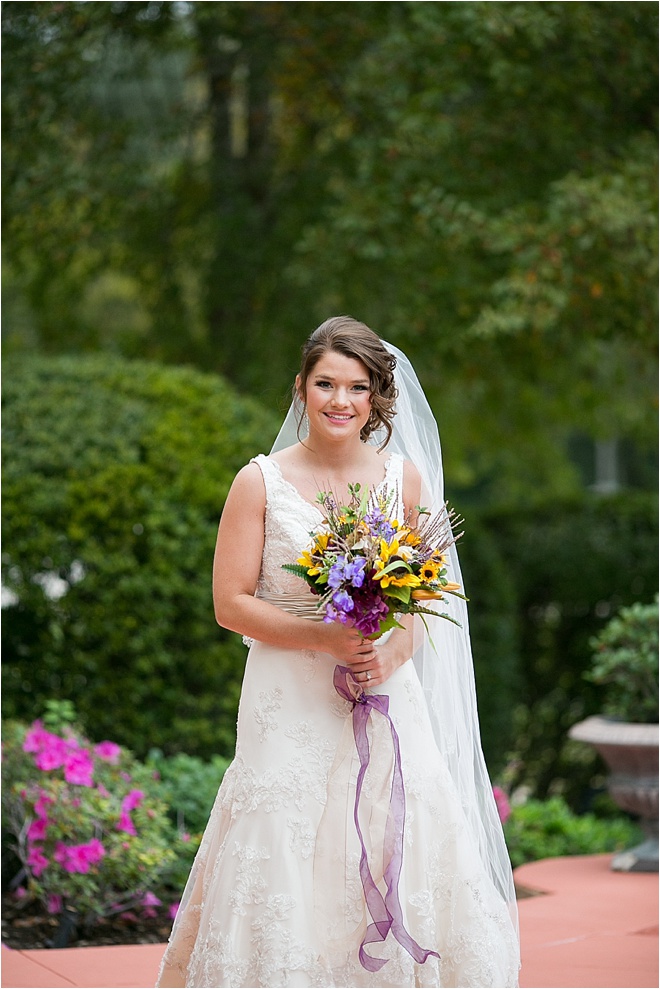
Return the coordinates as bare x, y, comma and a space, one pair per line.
547, 829
115, 473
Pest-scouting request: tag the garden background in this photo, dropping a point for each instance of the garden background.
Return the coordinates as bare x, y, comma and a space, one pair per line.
190, 188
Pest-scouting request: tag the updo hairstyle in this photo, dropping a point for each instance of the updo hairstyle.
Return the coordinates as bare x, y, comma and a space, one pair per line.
347, 336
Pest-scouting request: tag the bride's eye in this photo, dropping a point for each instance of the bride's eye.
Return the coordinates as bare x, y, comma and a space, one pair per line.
323, 384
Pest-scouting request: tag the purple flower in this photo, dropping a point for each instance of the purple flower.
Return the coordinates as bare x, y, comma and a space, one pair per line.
342, 600
174, 909
332, 615
108, 751
379, 525
370, 610
150, 900
345, 570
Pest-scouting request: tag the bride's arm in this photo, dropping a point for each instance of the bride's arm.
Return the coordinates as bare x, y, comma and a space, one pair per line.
236, 567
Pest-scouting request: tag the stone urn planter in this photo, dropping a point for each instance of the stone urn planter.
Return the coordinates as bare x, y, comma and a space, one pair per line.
631, 754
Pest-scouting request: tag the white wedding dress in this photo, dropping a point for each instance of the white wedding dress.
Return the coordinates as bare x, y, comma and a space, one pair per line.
275, 896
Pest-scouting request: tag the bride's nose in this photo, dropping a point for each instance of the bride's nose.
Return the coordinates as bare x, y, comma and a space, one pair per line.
340, 398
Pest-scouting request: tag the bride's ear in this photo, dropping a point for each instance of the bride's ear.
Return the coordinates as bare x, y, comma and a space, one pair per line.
299, 391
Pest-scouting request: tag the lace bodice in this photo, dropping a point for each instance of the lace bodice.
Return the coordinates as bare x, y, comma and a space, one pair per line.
290, 519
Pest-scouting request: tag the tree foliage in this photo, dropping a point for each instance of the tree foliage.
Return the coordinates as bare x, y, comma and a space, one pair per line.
475, 180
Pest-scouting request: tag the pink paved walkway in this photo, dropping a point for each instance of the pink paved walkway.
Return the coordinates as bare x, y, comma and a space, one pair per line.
592, 928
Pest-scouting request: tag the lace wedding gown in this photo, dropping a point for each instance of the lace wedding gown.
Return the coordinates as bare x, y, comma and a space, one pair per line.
275, 896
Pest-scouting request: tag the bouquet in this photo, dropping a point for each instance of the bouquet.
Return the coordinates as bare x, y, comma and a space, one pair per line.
368, 567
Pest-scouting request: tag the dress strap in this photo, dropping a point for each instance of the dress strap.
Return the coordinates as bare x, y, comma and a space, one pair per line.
269, 471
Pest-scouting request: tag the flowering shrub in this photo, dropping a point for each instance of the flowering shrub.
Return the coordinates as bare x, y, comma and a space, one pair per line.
503, 805
90, 826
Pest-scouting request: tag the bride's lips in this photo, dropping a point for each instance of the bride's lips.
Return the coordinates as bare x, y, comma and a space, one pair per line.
337, 417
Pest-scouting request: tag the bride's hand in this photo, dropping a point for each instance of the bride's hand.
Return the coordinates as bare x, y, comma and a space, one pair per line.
386, 657
346, 644
374, 670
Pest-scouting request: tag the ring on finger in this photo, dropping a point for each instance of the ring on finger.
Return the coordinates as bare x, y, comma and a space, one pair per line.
367, 675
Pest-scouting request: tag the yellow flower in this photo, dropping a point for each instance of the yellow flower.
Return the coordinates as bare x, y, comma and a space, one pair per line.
308, 557
306, 561
407, 580
409, 537
321, 542
429, 571
388, 549
395, 577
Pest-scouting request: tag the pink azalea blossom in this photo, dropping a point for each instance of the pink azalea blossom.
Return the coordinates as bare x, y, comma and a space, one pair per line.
150, 900
54, 904
37, 861
20, 892
503, 807
185, 837
174, 909
41, 806
132, 800
37, 830
52, 755
61, 853
35, 737
102, 790
108, 751
79, 858
79, 768
126, 824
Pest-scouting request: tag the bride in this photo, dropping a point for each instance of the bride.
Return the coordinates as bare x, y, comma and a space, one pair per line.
276, 895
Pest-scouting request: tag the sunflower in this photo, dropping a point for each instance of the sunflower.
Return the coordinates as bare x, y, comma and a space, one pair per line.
429, 571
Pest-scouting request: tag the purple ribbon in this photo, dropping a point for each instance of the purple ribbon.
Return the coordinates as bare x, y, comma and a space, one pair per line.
385, 911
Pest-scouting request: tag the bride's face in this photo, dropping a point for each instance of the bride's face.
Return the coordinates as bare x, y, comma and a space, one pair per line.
338, 396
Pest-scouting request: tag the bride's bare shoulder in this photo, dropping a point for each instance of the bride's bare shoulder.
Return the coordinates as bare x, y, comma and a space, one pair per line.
290, 455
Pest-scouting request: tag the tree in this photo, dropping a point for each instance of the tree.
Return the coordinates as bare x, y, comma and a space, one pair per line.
475, 180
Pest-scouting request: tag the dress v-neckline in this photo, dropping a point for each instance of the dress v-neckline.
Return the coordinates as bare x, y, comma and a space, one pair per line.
310, 504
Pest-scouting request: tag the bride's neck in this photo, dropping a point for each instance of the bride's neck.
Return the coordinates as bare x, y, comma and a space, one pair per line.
335, 456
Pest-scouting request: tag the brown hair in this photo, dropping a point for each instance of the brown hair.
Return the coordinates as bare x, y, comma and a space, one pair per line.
347, 336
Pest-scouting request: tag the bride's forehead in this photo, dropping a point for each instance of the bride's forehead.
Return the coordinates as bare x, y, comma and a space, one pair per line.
337, 365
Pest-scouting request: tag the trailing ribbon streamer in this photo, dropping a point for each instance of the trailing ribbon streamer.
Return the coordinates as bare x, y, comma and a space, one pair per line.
386, 912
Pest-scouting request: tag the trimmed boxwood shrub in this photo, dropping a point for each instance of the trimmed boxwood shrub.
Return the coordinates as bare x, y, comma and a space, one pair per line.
115, 474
